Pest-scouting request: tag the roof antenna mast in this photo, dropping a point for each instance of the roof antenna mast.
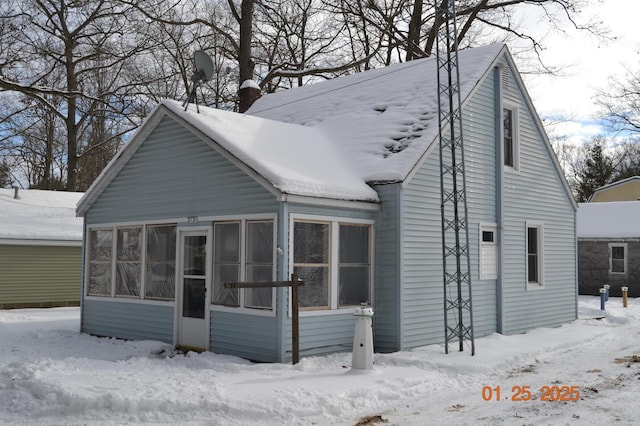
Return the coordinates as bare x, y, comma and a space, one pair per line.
458, 317
202, 73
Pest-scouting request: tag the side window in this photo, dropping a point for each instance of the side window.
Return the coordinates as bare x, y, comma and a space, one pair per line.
510, 137
617, 258
534, 255
488, 252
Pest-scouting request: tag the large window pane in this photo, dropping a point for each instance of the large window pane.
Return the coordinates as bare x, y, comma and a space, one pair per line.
226, 262
310, 242
128, 261
617, 259
100, 249
354, 285
160, 270
226, 242
315, 291
508, 137
225, 273
259, 263
195, 255
353, 278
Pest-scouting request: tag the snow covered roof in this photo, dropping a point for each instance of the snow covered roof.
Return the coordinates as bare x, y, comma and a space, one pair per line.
616, 219
39, 215
295, 159
383, 120
330, 139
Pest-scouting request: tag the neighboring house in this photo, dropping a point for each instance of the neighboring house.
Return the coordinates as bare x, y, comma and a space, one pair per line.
609, 247
339, 183
624, 190
40, 249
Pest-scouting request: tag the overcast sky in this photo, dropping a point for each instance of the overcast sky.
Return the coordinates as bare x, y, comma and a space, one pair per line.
587, 64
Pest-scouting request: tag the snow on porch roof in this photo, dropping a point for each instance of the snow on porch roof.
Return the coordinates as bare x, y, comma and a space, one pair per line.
383, 120
616, 219
295, 159
39, 215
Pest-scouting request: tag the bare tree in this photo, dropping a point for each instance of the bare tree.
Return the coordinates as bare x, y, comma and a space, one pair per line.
620, 102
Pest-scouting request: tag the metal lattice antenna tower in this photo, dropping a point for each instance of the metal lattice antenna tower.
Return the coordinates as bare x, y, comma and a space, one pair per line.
458, 316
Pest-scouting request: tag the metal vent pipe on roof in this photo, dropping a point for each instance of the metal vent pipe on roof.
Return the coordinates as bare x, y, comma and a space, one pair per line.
15, 193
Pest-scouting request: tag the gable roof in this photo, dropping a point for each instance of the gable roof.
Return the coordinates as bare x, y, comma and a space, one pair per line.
384, 119
615, 219
623, 182
39, 216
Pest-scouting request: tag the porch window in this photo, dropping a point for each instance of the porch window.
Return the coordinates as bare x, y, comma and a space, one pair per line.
243, 251
100, 255
334, 261
160, 264
355, 266
311, 243
121, 259
617, 258
128, 261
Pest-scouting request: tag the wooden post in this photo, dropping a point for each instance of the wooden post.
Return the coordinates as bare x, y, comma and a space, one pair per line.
295, 336
294, 283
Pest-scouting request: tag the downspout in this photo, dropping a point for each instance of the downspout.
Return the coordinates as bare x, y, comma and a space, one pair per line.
499, 198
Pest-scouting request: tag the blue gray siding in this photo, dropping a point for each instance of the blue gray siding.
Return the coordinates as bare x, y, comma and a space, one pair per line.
128, 320
323, 334
535, 193
387, 278
247, 336
175, 174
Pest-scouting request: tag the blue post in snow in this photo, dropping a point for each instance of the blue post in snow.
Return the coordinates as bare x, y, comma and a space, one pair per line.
603, 294
606, 287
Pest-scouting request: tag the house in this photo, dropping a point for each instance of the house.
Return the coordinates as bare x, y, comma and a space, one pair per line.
609, 247
40, 249
339, 183
623, 190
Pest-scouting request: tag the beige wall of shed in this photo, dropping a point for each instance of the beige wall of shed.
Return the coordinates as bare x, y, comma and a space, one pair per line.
625, 192
39, 276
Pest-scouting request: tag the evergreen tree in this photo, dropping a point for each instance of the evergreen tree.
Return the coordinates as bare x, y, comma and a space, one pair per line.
5, 174
597, 171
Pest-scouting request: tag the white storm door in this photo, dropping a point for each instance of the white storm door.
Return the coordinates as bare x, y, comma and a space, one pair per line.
193, 320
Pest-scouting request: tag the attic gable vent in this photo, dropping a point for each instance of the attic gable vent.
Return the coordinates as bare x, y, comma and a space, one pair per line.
505, 75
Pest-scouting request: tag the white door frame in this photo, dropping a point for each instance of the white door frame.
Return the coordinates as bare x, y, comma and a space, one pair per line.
202, 342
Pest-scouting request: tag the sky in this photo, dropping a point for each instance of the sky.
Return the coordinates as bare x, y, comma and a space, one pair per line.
587, 64
50, 374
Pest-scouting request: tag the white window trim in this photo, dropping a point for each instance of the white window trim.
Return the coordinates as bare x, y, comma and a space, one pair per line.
113, 227
487, 227
626, 258
243, 219
540, 284
515, 109
335, 222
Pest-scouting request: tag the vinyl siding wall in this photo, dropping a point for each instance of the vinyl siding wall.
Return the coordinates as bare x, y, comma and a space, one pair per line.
172, 176
40, 276
387, 307
534, 193
423, 299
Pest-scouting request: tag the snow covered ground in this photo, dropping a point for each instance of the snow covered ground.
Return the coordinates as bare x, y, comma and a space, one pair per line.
51, 374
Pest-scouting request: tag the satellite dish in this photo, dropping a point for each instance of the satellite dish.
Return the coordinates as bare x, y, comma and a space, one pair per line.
204, 67
202, 73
